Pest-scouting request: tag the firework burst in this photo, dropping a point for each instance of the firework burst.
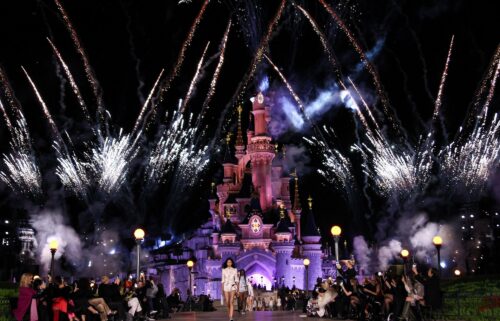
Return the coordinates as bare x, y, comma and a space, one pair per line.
175, 150
21, 172
466, 167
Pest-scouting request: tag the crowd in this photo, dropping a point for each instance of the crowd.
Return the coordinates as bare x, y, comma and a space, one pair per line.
84, 300
384, 296
391, 295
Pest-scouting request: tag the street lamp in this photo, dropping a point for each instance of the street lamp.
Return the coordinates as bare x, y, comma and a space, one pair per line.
405, 254
190, 264
306, 265
53, 248
139, 236
438, 242
457, 272
336, 231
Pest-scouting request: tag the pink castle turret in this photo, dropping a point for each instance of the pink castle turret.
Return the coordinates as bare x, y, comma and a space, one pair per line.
261, 153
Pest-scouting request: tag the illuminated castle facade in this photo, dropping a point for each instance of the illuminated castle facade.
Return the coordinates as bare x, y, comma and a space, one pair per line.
253, 221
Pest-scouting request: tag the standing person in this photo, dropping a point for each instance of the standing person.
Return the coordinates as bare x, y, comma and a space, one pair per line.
229, 284
242, 291
271, 304
26, 304
250, 299
278, 303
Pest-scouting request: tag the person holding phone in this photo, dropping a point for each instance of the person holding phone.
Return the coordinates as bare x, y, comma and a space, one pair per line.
229, 284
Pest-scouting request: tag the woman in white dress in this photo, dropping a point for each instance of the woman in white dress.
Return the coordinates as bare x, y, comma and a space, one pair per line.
229, 284
242, 291
250, 296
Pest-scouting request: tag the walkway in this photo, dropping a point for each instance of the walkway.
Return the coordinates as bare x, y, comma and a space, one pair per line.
220, 315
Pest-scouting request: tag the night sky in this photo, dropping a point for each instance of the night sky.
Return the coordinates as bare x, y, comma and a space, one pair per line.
129, 42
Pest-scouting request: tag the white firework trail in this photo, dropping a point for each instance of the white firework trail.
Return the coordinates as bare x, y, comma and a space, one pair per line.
146, 103
287, 84
72, 172
109, 161
195, 79
396, 171
6, 117
215, 77
22, 173
437, 105
338, 169
92, 79
45, 109
175, 150
71, 80
467, 167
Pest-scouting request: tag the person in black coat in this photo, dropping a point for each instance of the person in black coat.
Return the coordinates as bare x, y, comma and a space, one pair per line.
432, 287
110, 292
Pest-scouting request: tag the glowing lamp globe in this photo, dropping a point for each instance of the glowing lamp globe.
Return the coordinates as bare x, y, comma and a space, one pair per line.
336, 230
457, 272
437, 240
139, 234
53, 244
190, 264
306, 262
405, 253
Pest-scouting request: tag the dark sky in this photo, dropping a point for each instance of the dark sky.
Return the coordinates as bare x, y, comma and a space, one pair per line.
128, 42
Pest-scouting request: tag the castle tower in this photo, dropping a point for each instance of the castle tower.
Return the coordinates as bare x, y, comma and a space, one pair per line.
283, 247
261, 153
297, 210
311, 248
240, 144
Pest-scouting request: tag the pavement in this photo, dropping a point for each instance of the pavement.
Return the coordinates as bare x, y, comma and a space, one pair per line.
221, 315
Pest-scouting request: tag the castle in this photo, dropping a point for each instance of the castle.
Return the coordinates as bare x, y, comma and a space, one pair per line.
253, 221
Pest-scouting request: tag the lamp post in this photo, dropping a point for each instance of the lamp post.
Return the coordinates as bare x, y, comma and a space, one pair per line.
405, 254
139, 236
306, 265
438, 242
53, 249
190, 264
336, 231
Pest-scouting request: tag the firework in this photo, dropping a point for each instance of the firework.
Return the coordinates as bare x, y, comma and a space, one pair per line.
46, 111
182, 54
216, 74
72, 81
6, 117
91, 78
396, 171
73, 173
195, 79
175, 150
438, 102
146, 103
324, 43
253, 65
365, 104
109, 161
364, 59
492, 89
22, 173
338, 169
287, 84
466, 167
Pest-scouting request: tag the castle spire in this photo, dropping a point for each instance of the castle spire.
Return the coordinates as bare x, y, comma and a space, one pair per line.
239, 134
296, 199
